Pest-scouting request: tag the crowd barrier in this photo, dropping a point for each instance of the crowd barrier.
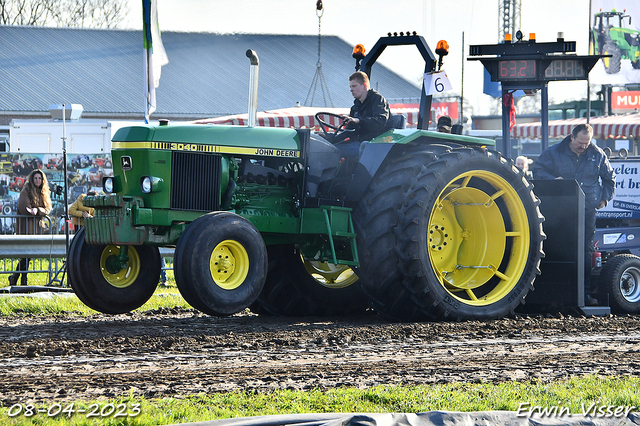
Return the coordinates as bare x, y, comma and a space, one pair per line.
45, 246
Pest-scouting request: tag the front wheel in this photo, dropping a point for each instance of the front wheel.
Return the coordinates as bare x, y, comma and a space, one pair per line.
99, 286
449, 234
220, 263
621, 279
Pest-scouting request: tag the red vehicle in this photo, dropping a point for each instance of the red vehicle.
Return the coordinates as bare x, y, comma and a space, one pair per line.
95, 175
16, 184
102, 162
55, 163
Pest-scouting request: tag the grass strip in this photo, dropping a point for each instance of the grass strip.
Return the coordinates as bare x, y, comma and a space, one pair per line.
590, 394
65, 303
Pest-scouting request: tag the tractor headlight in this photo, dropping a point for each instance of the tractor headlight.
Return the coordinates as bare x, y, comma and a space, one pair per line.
145, 184
107, 185
150, 184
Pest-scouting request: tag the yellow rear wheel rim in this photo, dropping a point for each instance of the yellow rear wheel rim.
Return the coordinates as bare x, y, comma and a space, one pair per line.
229, 264
126, 276
478, 240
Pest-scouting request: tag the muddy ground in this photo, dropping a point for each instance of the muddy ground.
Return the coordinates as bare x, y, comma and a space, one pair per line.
181, 352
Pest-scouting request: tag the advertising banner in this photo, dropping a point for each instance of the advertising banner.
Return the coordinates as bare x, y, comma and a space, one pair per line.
625, 101
84, 173
614, 29
626, 200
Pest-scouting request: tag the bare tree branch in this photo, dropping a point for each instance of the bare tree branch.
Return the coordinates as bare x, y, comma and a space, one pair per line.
63, 13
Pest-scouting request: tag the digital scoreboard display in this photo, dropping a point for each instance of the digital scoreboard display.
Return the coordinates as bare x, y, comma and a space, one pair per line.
517, 69
572, 69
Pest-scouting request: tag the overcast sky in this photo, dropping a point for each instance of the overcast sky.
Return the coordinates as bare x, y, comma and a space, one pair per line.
364, 21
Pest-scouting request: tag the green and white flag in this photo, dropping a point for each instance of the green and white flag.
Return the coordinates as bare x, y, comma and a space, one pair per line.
154, 53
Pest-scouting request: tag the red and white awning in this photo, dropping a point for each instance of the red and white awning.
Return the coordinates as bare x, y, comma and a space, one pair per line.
607, 127
299, 117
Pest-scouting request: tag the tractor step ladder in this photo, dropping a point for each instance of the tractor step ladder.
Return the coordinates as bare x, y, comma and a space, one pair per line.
340, 225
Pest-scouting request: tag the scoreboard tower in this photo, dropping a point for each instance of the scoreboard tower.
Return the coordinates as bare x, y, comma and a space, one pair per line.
527, 65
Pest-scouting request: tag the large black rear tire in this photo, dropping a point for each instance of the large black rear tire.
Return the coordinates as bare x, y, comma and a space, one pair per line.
112, 293
220, 263
620, 277
300, 287
612, 64
448, 233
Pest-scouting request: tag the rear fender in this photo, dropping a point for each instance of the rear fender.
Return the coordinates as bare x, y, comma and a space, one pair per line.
374, 153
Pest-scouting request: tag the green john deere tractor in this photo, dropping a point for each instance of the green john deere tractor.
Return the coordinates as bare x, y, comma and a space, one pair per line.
420, 225
609, 37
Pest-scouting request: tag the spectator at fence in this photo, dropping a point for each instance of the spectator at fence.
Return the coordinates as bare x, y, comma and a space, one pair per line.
34, 203
78, 211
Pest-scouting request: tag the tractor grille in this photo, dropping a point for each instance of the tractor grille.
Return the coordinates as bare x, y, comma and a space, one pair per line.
195, 181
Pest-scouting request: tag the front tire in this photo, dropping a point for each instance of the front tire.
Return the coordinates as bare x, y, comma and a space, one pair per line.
449, 234
106, 292
620, 277
220, 263
299, 287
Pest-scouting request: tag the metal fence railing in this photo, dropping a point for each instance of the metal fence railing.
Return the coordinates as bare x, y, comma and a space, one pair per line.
45, 246
23, 237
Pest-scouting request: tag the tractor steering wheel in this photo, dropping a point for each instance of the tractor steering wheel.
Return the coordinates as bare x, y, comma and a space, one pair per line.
336, 129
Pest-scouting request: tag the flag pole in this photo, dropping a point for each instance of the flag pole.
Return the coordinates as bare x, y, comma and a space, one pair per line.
155, 55
146, 86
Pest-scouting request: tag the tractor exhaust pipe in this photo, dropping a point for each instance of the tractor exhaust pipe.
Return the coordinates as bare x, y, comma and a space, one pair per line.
253, 88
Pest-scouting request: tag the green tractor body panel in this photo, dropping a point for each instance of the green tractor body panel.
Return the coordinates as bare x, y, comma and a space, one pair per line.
177, 159
226, 139
405, 136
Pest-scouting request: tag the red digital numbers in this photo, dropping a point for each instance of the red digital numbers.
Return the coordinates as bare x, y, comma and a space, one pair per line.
517, 69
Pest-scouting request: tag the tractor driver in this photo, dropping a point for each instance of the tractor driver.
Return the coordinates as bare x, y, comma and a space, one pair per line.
368, 116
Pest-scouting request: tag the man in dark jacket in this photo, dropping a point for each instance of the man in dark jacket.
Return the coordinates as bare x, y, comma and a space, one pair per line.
578, 159
370, 110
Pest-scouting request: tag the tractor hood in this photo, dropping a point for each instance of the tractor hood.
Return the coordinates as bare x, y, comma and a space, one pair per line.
271, 141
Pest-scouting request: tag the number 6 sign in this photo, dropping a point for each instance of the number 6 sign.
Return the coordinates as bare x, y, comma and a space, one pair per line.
436, 82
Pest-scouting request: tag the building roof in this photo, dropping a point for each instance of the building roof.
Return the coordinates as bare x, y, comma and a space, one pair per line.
207, 74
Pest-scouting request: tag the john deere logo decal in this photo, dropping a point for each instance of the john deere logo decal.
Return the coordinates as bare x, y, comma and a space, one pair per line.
125, 162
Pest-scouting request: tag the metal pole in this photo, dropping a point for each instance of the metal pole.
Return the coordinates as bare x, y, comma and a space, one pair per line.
462, 85
66, 190
544, 116
588, 87
506, 130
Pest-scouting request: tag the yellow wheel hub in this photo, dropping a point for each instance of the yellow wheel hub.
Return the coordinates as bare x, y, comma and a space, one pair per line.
229, 264
478, 239
126, 276
329, 274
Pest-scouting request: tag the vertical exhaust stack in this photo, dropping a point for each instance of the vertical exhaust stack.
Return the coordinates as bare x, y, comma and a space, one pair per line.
253, 87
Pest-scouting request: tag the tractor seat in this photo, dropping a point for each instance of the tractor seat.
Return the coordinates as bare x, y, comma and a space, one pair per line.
396, 121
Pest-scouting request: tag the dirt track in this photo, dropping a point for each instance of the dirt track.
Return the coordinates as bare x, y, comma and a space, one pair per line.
182, 352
